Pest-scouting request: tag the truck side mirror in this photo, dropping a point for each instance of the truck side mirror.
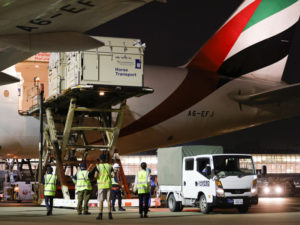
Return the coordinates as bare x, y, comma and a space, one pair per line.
208, 170
264, 170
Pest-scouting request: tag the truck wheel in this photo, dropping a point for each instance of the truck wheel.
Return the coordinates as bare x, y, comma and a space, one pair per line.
173, 205
204, 207
243, 208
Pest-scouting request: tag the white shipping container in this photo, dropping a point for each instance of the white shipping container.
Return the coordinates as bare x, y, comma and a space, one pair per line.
56, 73
119, 62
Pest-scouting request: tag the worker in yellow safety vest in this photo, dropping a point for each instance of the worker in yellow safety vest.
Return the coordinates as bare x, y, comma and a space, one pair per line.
49, 189
104, 181
83, 188
142, 186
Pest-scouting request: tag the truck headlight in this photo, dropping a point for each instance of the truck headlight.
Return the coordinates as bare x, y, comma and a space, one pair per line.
219, 189
253, 190
278, 190
220, 192
266, 190
254, 187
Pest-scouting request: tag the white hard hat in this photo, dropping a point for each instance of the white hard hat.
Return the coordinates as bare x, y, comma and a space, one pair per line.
116, 165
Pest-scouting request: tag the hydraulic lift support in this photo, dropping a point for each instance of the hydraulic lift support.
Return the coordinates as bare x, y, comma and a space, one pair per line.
68, 118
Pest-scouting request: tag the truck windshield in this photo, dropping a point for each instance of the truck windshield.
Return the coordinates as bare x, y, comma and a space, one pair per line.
233, 165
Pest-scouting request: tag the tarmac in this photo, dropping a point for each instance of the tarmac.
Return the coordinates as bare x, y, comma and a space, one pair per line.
269, 211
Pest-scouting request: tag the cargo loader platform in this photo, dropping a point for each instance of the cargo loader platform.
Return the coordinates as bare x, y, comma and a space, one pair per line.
92, 96
64, 128
87, 94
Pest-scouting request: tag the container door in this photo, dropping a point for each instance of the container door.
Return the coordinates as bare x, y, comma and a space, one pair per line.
90, 67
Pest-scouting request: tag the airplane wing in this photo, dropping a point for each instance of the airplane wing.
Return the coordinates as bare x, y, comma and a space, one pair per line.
10, 56
31, 26
7, 79
275, 95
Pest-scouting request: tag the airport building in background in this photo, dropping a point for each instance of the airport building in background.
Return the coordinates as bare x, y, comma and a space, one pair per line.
276, 163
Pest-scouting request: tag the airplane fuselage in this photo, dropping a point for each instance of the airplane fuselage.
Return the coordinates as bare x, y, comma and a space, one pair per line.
157, 119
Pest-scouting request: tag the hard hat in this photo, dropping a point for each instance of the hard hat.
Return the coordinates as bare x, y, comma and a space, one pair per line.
116, 165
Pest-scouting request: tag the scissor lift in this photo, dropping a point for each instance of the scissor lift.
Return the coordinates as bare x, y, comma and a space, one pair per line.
64, 131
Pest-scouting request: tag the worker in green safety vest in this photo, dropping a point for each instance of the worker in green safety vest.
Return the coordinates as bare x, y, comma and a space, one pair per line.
49, 189
83, 188
142, 186
104, 181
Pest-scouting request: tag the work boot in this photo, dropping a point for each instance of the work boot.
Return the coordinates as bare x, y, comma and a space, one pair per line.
145, 215
121, 209
86, 213
141, 215
110, 216
48, 213
79, 212
99, 217
113, 209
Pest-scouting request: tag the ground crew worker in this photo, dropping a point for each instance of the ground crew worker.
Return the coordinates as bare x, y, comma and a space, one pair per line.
142, 186
103, 175
116, 187
49, 189
84, 189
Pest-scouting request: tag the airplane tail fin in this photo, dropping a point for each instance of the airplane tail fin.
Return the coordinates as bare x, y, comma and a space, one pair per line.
254, 41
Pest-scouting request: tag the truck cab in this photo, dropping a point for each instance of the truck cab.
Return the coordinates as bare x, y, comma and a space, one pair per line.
221, 180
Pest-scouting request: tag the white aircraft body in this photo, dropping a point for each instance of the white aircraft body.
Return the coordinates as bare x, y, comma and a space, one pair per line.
234, 81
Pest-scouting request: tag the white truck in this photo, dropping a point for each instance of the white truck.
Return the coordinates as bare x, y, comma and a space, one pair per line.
205, 177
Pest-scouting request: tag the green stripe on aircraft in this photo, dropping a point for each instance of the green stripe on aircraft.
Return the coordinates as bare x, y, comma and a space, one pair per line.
267, 8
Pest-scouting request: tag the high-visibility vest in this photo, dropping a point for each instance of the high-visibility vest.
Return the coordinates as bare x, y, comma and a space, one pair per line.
104, 177
50, 185
142, 182
83, 182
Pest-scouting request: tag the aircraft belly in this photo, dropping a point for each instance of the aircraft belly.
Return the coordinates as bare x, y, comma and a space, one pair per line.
215, 115
18, 134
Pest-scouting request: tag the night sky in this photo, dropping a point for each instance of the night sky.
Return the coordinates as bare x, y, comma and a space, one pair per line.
174, 32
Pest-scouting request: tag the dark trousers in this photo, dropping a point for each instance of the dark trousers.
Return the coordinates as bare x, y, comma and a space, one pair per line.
83, 196
143, 203
115, 194
49, 203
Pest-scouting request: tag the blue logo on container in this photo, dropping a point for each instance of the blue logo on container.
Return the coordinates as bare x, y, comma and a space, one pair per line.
138, 64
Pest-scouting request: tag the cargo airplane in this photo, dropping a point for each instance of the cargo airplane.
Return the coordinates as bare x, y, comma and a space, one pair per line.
241, 77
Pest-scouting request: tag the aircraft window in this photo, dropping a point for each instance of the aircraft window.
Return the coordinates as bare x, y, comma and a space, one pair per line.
189, 164
6, 93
